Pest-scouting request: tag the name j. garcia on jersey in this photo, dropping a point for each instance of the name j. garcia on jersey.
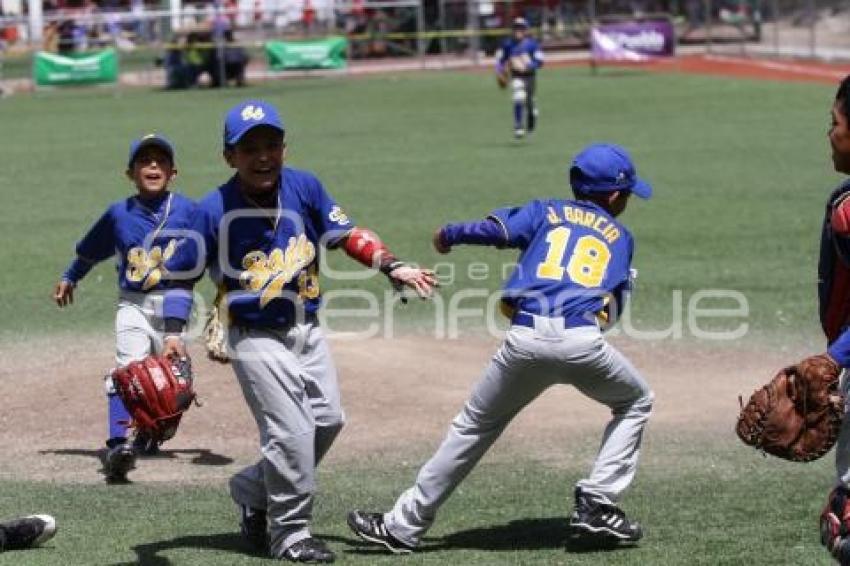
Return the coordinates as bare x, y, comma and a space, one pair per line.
589, 219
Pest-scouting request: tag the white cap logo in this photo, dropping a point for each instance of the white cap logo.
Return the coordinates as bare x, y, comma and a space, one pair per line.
251, 112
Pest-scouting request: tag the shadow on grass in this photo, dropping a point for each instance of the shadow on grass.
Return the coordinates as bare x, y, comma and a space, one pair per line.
232, 542
202, 456
149, 553
521, 534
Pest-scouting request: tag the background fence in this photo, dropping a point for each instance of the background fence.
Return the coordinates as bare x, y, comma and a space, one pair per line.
424, 30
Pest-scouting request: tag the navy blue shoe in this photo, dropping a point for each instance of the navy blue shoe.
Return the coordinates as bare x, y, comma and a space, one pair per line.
602, 521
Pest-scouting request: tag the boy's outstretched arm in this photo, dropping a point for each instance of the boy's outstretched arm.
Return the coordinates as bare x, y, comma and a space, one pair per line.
366, 247
487, 232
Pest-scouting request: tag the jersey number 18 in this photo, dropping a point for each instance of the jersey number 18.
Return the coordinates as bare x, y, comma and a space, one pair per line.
588, 260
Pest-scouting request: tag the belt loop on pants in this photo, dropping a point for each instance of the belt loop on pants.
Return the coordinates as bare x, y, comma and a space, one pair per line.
573, 321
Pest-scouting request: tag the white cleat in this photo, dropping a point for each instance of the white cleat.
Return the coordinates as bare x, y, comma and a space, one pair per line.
28, 531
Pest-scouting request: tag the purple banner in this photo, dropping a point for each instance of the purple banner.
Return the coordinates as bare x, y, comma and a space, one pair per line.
633, 41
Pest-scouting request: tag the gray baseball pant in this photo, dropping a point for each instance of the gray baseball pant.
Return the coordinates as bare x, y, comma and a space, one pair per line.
528, 362
289, 381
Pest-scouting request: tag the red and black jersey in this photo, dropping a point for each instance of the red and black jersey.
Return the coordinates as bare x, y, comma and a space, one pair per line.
834, 271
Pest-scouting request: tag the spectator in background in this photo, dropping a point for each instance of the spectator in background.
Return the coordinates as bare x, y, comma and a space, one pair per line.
67, 34
184, 62
235, 60
2, 30
379, 27
139, 25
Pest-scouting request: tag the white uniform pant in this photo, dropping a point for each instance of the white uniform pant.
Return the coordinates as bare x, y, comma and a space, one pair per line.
528, 362
138, 327
289, 381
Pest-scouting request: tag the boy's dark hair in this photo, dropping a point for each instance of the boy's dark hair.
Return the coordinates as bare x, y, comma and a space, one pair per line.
843, 95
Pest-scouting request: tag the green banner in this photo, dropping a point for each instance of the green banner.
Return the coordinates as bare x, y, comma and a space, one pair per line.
78, 68
326, 53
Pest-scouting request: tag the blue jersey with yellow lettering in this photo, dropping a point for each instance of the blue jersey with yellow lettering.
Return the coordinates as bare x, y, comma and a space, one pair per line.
142, 232
575, 258
526, 49
266, 259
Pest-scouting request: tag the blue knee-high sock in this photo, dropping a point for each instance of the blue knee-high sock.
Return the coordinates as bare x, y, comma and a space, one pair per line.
517, 115
118, 418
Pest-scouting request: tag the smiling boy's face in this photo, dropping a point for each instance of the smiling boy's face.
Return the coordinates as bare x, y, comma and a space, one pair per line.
152, 170
258, 158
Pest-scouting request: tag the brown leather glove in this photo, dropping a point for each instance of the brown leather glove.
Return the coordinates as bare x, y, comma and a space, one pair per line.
797, 415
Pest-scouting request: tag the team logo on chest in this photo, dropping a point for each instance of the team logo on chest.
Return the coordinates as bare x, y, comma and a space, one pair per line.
267, 274
146, 267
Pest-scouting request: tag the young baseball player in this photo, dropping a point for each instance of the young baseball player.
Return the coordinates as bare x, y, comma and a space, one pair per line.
261, 234
834, 298
521, 56
26, 532
142, 231
572, 273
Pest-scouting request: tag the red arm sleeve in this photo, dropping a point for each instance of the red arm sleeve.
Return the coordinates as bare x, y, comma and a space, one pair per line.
366, 247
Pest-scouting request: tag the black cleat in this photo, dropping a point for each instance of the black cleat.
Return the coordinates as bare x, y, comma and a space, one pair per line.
252, 524
370, 527
27, 532
120, 459
603, 521
144, 445
309, 550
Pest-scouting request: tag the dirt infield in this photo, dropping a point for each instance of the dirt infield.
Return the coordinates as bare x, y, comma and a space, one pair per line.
734, 67
722, 65
399, 396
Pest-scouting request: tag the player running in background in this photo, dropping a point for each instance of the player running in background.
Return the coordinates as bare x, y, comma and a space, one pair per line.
834, 295
143, 230
26, 532
262, 232
572, 274
520, 56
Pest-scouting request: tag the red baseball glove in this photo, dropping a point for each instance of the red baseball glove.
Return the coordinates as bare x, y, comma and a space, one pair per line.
797, 415
156, 392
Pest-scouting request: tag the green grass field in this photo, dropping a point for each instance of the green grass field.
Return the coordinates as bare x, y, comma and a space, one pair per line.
741, 171
709, 507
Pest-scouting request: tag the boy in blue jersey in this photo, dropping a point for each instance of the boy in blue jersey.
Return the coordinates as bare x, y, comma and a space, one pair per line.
143, 231
521, 56
261, 235
572, 273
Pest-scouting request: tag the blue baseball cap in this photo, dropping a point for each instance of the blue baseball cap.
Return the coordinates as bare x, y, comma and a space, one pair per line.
605, 168
520, 23
150, 140
248, 115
